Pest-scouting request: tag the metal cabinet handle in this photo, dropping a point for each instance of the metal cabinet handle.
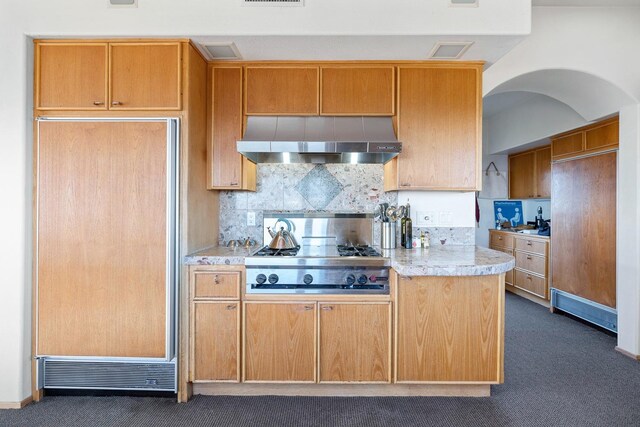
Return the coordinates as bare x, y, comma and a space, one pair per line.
233, 183
308, 307
529, 257
404, 185
98, 103
231, 307
215, 280
529, 243
116, 103
499, 237
528, 277
327, 308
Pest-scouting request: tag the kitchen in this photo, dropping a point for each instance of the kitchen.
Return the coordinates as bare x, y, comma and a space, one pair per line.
251, 205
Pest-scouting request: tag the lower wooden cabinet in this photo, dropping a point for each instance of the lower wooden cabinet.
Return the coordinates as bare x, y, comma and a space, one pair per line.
450, 329
279, 341
216, 341
355, 342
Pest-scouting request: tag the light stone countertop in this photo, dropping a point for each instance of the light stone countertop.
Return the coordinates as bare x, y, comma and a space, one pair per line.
448, 260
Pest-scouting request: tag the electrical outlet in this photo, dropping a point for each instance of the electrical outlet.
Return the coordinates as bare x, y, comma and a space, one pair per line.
251, 219
425, 218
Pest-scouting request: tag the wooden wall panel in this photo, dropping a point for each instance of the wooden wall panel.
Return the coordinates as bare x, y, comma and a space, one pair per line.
283, 90
357, 90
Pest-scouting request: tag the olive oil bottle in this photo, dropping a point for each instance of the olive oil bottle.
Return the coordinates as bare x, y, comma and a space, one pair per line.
407, 228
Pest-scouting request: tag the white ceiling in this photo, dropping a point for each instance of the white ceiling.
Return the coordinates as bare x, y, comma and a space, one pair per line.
587, 3
497, 103
409, 47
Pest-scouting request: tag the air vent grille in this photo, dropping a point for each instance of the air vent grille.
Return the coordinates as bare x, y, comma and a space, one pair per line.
222, 51
472, 3
281, 3
99, 375
123, 3
449, 50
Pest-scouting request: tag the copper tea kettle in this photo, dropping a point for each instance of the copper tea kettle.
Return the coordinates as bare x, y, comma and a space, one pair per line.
283, 239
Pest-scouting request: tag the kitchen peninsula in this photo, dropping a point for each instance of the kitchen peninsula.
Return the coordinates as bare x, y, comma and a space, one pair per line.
439, 331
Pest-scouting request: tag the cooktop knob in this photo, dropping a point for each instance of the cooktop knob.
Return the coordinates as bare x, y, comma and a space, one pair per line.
351, 279
273, 279
307, 279
260, 279
362, 279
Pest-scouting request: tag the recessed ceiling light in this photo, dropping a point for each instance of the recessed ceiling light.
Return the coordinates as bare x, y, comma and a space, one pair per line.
226, 50
281, 3
473, 3
123, 3
449, 50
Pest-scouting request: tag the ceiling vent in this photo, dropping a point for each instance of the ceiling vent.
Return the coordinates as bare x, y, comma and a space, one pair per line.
123, 3
277, 3
222, 51
449, 50
471, 3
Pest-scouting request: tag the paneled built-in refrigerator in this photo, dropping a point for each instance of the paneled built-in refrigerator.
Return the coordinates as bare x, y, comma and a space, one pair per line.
105, 253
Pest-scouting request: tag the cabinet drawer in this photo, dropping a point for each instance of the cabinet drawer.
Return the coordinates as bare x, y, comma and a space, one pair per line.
530, 262
501, 240
531, 283
531, 245
212, 284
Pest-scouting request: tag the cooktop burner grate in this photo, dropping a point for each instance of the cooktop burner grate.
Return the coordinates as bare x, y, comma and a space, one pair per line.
267, 251
357, 250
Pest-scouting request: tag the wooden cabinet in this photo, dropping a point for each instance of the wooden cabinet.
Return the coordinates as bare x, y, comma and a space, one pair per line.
279, 341
450, 329
532, 270
357, 91
145, 76
71, 76
228, 169
216, 341
601, 136
215, 323
530, 174
108, 76
439, 124
283, 90
355, 342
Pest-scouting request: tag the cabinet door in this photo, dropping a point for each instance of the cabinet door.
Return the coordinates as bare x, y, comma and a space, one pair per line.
216, 341
567, 145
601, 137
361, 91
543, 173
450, 329
521, 175
439, 126
355, 342
280, 342
71, 76
281, 91
145, 76
508, 276
226, 128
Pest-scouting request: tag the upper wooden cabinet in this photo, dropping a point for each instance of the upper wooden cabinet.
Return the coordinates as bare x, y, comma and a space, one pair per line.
600, 136
108, 76
144, 76
530, 174
357, 91
71, 76
282, 90
228, 169
439, 124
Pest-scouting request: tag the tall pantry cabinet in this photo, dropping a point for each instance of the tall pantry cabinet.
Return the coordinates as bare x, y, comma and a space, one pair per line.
119, 194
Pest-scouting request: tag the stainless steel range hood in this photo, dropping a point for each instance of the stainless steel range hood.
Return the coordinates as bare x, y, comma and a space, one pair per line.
319, 139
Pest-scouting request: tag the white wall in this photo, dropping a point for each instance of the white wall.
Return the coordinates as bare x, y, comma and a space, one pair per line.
539, 117
18, 19
445, 209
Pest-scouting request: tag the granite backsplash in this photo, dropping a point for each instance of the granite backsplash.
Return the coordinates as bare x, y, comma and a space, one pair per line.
308, 187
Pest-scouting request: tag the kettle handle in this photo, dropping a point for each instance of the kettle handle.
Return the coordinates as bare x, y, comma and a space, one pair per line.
290, 226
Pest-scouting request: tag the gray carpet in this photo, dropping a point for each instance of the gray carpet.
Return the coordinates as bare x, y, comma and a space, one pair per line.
557, 372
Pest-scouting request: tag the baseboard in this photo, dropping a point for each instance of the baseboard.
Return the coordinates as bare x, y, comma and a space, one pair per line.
16, 405
527, 295
264, 389
628, 354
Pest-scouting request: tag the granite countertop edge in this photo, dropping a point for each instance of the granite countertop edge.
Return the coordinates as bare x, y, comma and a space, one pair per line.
450, 260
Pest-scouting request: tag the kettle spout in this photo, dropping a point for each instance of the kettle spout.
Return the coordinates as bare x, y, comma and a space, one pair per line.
271, 233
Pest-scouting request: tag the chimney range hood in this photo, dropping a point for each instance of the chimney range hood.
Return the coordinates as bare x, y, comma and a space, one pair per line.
319, 139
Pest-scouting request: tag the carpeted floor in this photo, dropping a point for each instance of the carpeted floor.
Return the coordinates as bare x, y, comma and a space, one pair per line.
558, 372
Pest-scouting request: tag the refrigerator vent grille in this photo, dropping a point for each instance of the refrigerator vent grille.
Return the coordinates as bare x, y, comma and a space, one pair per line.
158, 376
